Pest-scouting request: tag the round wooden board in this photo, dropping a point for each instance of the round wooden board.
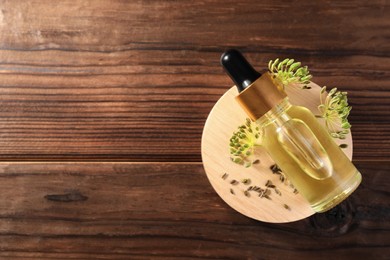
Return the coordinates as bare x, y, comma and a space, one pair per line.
222, 121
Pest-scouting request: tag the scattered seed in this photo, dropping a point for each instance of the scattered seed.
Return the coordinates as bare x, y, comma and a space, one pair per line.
282, 178
234, 182
257, 161
256, 188
263, 192
269, 184
267, 197
306, 87
246, 181
343, 146
286, 206
275, 169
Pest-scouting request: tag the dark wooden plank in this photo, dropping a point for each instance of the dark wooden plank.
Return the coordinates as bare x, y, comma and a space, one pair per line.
143, 210
135, 80
117, 25
108, 116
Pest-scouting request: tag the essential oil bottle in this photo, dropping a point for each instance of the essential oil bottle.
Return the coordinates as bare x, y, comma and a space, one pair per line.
293, 137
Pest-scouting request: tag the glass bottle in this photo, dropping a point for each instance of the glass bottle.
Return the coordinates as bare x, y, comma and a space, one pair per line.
293, 137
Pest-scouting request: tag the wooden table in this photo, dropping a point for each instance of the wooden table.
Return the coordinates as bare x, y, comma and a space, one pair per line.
102, 109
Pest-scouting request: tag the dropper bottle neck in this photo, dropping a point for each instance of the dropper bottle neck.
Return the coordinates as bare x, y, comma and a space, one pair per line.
258, 93
239, 69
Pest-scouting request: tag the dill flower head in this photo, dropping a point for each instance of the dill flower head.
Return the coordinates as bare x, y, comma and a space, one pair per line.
243, 143
288, 72
335, 110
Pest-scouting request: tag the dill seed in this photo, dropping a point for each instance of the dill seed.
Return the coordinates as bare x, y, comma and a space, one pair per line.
269, 184
256, 188
295, 191
306, 87
275, 169
267, 197
257, 161
232, 191
224, 176
250, 188
278, 192
267, 192
343, 146
234, 182
246, 193
246, 181
286, 206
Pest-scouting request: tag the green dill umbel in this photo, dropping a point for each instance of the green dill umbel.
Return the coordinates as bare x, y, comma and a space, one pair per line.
288, 71
334, 109
243, 143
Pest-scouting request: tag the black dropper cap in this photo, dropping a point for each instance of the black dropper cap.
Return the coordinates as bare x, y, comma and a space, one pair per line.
239, 69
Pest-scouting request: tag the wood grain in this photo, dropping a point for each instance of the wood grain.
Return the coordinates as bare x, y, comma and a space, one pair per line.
135, 81
114, 81
166, 210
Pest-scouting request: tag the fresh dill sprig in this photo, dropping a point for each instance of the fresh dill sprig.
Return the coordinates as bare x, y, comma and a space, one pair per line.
288, 72
335, 110
243, 143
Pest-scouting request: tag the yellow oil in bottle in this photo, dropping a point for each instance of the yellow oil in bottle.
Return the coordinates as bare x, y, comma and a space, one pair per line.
308, 155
